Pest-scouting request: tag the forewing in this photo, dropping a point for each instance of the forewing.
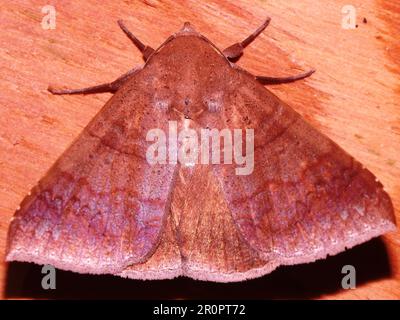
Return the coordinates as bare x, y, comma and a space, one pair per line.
306, 197
102, 206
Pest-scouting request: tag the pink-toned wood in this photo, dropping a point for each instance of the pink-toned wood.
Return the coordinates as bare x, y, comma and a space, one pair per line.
353, 98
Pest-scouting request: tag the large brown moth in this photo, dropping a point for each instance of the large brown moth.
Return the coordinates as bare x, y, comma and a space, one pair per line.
104, 208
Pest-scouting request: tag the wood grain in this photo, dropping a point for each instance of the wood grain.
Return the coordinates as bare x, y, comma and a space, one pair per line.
353, 98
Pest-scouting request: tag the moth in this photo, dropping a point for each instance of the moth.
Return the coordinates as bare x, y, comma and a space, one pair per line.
103, 207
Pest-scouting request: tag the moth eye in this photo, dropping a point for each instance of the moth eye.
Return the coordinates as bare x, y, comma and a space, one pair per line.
214, 102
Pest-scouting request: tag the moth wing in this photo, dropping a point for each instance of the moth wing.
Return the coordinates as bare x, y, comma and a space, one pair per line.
201, 240
102, 206
306, 197
211, 247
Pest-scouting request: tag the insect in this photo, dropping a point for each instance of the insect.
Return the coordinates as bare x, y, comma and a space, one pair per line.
105, 208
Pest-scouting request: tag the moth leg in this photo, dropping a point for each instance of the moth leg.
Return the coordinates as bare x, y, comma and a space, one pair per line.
145, 50
279, 80
234, 51
105, 87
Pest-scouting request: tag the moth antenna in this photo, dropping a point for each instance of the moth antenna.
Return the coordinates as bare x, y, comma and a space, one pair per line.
234, 51
280, 80
144, 49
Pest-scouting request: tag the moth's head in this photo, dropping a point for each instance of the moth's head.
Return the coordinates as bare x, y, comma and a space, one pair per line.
187, 28
190, 75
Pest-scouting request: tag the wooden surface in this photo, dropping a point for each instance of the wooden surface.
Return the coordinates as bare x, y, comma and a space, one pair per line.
354, 98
